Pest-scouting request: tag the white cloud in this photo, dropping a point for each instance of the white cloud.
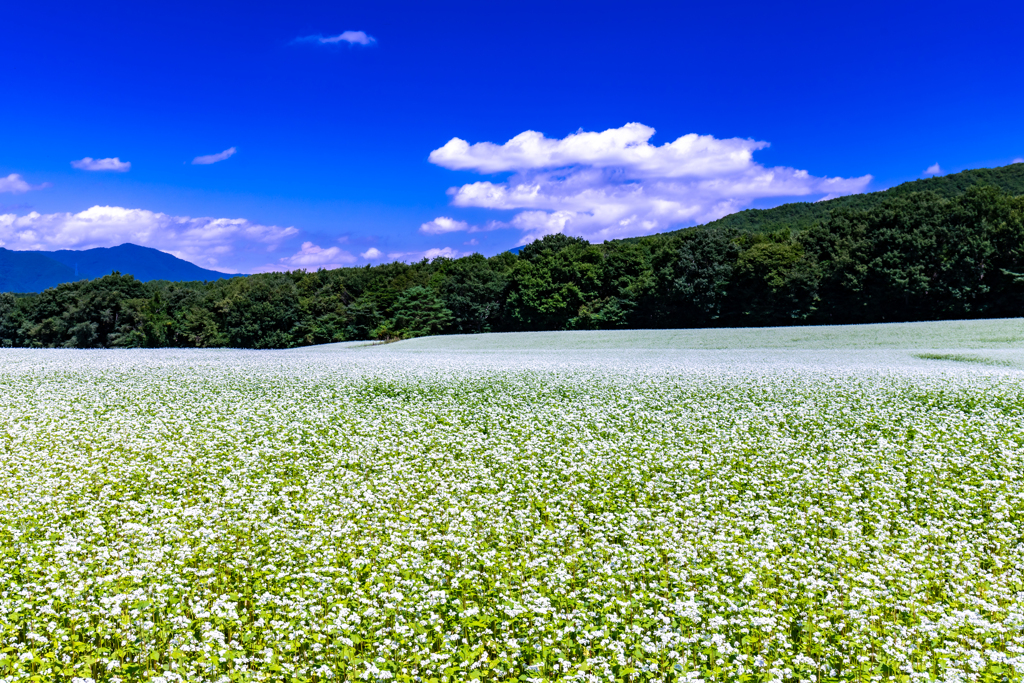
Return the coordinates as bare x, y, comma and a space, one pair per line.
219, 243
350, 37
933, 169
15, 184
90, 164
1018, 160
616, 184
311, 257
375, 254
207, 159
625, 147
443, 224
429, 254
446, 252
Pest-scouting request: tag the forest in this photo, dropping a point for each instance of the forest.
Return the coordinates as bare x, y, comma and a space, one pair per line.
943, 248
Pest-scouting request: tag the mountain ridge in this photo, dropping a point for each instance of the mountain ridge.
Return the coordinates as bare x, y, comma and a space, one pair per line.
35, 271
801, 215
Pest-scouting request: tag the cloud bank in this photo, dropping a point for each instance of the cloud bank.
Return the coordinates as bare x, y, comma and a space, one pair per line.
112, 164
350, 37
15, 184
208, 159
216, 243
933, 169
616, 184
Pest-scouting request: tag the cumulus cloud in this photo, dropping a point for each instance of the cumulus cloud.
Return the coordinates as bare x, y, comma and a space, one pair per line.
350, 37
217, 243
1018, 160
614, 183
208, 159
372, 254
311, 257
443, 224
933, 169
15, 184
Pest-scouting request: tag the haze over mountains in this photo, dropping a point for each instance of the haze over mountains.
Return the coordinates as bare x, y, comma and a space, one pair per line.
34, 271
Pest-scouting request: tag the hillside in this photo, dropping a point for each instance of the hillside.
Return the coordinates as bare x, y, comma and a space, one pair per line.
31, 271
898, 255
35, 271
801, 215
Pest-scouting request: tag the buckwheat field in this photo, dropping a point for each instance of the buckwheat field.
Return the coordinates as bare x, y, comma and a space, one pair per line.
828, 504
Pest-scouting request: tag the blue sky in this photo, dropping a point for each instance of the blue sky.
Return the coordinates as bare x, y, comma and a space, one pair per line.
333, 141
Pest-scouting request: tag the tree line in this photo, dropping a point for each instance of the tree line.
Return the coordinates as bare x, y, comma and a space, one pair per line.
909, 256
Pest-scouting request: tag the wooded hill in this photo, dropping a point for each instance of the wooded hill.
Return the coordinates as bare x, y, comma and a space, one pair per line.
941, 248
802, 215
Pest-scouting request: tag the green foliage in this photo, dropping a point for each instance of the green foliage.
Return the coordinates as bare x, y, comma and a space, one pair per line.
966, 358
110, 311
626, 293
921, 257
704, 268
9, 318
802, 215
774, 283
260, 312
474, 290
554, 278
417, 312
941, 248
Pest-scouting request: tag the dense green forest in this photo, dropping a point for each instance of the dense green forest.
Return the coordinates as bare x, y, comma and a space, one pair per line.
950, 247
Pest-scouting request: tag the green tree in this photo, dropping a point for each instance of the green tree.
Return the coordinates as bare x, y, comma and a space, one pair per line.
774, 283
552, 280
10, 319
416, 312
260, 311
704, 265
626, 285
88, 314
474, 289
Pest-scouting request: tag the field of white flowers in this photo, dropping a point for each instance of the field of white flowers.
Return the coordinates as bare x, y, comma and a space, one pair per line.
649, 506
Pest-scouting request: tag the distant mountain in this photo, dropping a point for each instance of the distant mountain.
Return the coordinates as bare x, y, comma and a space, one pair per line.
31, 271
34, 271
